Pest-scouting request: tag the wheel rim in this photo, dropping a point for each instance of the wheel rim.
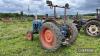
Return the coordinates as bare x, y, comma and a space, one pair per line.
93, 30
29, 36
47, 38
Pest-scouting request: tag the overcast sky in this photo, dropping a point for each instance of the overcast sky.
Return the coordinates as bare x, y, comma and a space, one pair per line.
40, 7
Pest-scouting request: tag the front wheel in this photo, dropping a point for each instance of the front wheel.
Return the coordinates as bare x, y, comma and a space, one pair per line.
29, 35
92, 28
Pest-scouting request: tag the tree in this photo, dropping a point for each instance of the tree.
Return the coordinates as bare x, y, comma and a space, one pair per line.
21, 13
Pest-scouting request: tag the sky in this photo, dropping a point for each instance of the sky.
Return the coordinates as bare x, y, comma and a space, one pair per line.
40, 6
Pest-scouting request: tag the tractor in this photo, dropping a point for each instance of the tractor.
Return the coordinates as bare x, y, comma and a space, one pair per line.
91, 27
79, 21
52, 34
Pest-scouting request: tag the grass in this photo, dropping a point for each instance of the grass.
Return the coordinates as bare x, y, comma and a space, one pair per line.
13, 42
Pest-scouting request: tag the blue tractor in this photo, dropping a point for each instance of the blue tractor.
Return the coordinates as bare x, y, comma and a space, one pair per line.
53, 34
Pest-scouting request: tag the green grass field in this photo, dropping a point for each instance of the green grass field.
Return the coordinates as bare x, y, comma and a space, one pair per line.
13, 43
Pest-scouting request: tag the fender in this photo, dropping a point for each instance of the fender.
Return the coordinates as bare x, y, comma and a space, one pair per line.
94, 19
51, 20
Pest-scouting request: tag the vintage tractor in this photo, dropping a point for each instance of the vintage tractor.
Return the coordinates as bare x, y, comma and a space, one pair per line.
91, 27
52, 34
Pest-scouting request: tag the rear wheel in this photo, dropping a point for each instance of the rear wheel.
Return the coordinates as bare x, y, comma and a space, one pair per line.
72, 34
92, 28
50, 36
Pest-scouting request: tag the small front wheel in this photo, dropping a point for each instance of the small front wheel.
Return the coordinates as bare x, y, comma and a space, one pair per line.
29, 35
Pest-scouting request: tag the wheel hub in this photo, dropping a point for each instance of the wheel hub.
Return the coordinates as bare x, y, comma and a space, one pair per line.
48, 36
93, 29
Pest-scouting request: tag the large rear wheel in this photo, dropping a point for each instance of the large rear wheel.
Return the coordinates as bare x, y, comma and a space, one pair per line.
50, 36
72, 34
92, 28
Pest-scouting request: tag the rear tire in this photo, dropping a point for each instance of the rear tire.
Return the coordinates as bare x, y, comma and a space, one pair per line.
92, 28
50, 36
73, 33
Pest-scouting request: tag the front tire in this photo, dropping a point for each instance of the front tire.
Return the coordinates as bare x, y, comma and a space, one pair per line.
29, 35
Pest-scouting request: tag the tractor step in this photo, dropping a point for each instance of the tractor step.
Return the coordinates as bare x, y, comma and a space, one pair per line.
65, 43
